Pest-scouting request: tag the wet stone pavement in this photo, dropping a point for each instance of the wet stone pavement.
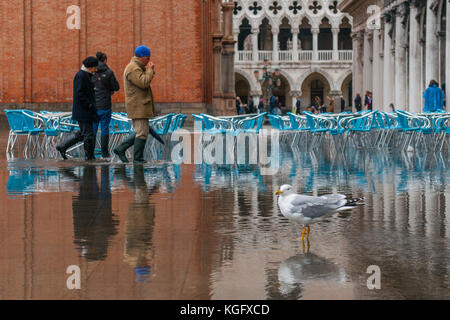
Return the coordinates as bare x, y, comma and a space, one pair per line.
186, 231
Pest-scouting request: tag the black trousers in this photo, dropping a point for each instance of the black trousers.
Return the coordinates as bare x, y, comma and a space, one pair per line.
85, 134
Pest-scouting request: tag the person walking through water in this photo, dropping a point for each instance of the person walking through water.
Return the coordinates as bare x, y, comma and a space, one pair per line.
83, 110
105, 86
434, 98
139, 103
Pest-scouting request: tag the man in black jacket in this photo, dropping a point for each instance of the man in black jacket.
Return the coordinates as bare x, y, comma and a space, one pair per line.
83, 109
105, 86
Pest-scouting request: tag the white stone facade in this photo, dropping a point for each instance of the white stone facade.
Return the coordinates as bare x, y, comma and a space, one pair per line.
318, 23
408, 48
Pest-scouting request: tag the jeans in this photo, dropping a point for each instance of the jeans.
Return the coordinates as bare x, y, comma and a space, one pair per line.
105, 119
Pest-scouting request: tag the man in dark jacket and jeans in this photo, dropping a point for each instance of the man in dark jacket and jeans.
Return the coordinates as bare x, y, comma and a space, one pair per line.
105, 86
83, 109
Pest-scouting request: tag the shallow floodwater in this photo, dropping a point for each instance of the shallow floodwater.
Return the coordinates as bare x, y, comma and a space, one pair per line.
167, 231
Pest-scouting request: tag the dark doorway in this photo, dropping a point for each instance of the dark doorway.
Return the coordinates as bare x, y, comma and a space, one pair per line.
317, 88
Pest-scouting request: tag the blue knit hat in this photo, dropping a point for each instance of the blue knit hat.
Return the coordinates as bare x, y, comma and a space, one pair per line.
142, 51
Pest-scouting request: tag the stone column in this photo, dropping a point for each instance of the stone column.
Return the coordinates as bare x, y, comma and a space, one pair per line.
335, 43
275, 32
295, 33
367, 73
415, 62
377, 73
255, 32
400, 58
388, 64
357, 65
315, 33
447, 59
431, 46
228, 80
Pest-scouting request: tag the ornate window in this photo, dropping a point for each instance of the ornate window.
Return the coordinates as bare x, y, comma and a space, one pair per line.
295, 7
255, 7
275, 7
333, 7
237, 8
315, 7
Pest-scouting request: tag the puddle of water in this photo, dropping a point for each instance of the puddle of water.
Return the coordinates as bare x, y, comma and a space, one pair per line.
166, 231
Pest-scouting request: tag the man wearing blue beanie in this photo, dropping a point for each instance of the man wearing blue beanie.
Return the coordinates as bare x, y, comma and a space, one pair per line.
139, 103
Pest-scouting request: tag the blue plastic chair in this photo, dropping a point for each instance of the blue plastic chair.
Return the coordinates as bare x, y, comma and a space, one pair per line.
23, 123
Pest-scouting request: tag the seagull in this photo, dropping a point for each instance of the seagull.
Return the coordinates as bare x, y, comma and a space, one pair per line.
309, 209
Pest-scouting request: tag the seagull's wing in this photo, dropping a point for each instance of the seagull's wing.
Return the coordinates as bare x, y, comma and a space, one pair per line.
316, 207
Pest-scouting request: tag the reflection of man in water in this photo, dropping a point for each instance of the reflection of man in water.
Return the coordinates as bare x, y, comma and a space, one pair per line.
139, 225
93, 221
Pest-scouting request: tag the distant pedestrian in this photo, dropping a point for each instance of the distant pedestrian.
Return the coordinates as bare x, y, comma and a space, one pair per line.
83, 110
331, 102
434, 98
261, 105
368, 101
139, 103
317, 104
298, 105
358, 103
238, 106
105, 86
342, 104
251, 106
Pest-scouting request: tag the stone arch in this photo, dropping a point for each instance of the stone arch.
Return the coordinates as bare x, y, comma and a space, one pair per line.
320, 71
251, 81
291, 21
290, 80
308, 91
346, 88
241, 18
343, 78
345, 15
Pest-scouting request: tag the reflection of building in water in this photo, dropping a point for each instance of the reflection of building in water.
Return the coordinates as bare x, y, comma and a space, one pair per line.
93, 220
310, 41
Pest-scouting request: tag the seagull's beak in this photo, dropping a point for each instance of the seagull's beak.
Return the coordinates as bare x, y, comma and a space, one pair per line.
278, 192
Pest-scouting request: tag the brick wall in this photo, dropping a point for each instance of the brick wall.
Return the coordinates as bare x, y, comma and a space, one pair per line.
39, 55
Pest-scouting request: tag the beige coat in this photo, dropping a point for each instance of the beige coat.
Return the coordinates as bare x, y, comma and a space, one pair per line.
138, 93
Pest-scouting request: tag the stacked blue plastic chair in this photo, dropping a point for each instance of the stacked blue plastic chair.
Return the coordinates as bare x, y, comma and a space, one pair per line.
442, 129
318, 128
252, 124
23, 123
299, 126
359, 130
408, 129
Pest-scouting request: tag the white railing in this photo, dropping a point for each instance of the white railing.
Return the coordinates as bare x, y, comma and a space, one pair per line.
305, 55
325, 55
285, 55
245, 55
288, 56
264, 55
345, 55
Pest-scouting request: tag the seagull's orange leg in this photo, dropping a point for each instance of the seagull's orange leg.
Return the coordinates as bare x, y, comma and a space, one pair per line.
303, 235
307, 235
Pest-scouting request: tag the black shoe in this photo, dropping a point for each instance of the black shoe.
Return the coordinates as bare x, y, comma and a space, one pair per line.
62, 148
139, 146
62, 152
122, 148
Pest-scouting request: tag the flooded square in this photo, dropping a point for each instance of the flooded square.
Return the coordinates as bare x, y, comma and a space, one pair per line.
199, 231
